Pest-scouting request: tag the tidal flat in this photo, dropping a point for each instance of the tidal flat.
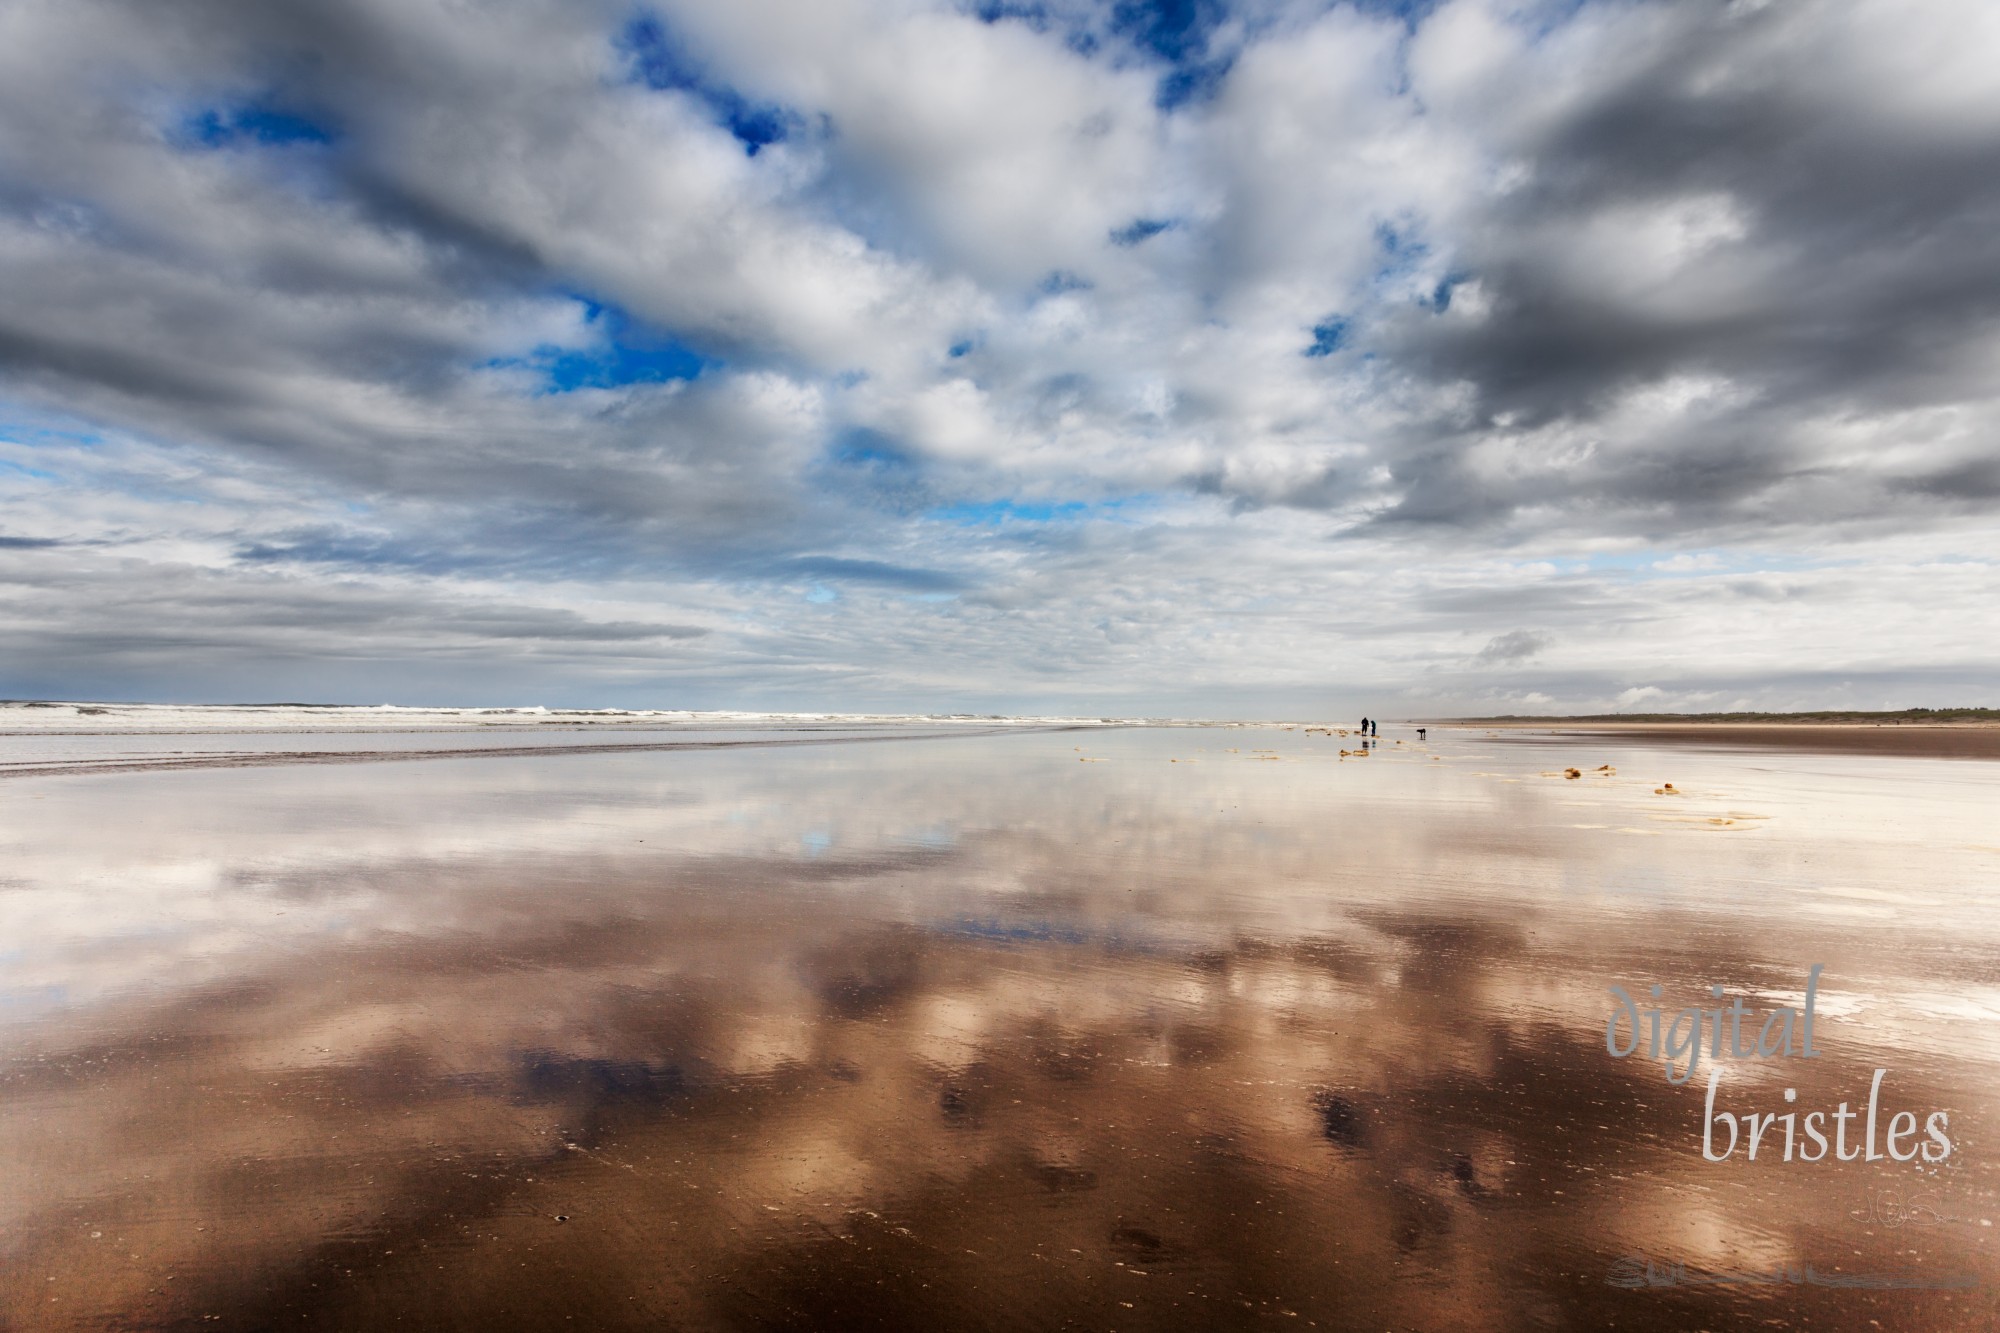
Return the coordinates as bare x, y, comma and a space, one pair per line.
898, 1025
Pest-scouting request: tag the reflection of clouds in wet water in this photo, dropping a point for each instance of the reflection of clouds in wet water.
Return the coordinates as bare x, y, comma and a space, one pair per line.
1339, 1049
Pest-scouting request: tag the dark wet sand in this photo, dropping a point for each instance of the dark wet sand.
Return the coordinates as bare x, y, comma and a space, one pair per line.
971, 1034
1965, 741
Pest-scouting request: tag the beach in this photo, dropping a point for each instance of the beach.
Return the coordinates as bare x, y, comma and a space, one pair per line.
776, 1022
1917, 740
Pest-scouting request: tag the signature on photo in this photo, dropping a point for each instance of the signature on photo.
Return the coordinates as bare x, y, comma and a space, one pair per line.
1894, 1208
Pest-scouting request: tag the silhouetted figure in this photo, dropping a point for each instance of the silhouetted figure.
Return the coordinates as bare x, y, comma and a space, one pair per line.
1375, 727
1364, 726
1421, 731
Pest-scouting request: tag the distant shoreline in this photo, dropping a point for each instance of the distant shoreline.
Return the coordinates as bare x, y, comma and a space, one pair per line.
1830, 717
1924, 739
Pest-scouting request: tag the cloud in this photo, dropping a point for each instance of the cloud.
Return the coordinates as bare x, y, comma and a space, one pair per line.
1410, 324
868, 571
1514, 646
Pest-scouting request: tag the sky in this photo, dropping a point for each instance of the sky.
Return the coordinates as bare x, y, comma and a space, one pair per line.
1206, 358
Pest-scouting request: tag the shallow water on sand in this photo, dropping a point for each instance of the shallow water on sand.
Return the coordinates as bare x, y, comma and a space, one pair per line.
1110, 1029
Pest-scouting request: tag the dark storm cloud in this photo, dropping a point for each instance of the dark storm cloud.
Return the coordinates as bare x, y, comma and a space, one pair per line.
1851, 262
1875, 247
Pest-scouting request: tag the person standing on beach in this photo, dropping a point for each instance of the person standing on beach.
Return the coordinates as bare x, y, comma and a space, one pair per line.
1421, 731
1364, 726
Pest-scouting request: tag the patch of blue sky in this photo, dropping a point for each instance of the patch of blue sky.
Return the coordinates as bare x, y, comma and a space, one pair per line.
864, 448
23, 470
1174, 30
876, 470
1329, 336
1177, 32
1083, 41
1410, 12
1550, 16
1034, 15
1402, 247
820, 596
39, 430
994, 513
821, 570
626, 352
965, 346
1180, 34
258, 123
617, 365
31, 445
1061, 281
1192, 84
662, 61
1077, 33
1440, 297
1407, 266
1142, 229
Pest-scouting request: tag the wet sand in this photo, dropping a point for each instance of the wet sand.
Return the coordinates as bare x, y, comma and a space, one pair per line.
1220, 1030
1916, 740
73, 755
